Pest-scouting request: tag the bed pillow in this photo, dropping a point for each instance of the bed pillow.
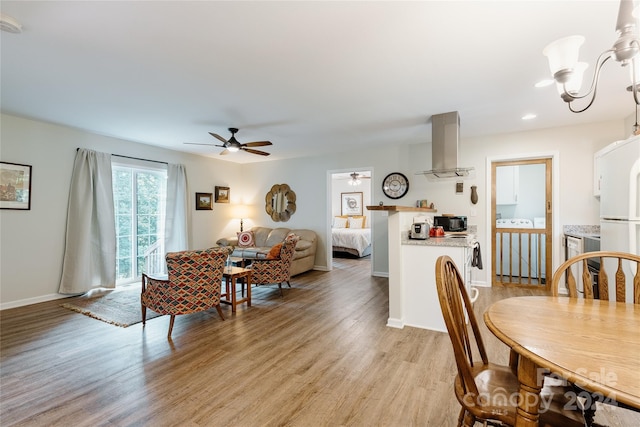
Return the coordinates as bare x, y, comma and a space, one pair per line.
274, 252
246, 240
356, 222
339, 222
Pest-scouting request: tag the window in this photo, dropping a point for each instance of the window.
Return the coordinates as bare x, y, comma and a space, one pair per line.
139, 200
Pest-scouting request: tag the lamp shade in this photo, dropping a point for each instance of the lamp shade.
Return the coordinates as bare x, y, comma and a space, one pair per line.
241, 211
563, 53
574, 83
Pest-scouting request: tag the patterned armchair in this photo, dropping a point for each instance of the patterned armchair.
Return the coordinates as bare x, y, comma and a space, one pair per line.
193, 284
278, 270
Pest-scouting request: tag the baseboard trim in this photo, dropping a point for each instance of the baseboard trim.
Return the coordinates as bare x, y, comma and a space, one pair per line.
34, 300
395, 323
380, 274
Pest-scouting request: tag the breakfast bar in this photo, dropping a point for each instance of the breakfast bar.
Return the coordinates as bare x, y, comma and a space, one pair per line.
413, 300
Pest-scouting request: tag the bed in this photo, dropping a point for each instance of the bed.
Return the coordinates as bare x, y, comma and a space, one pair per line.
348, 234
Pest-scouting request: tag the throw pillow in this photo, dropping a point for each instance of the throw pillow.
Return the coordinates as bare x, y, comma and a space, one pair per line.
339, 222
245, 239
274, 252
355, 222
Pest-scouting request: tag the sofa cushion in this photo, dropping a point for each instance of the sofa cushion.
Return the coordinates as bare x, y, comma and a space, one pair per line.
277, 235
246, 239
303, 245
260, 235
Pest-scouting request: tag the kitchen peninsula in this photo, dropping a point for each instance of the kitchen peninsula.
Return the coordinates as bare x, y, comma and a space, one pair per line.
413, 299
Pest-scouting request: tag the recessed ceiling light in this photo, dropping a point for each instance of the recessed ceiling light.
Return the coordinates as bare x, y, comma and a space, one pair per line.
9, 24
545, 83
529, 117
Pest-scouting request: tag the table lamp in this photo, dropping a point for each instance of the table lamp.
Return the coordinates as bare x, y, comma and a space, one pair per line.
242, 212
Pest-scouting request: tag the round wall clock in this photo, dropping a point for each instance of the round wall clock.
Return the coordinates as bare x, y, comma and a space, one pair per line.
395, 185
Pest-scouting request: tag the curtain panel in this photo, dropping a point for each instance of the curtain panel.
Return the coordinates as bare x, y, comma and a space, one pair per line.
90, 248
177, 209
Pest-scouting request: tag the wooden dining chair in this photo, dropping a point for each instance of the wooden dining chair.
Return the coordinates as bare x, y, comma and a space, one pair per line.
487, 391
596, 286
575, 279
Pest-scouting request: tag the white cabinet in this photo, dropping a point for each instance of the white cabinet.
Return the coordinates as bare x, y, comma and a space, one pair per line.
507, 185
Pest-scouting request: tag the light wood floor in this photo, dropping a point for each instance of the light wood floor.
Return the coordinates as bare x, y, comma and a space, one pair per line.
320, 356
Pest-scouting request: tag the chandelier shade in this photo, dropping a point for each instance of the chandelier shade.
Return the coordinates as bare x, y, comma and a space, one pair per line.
568, 71
563, 53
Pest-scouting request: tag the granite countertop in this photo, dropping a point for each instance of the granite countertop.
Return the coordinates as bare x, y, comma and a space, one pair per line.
460, 242
581, 231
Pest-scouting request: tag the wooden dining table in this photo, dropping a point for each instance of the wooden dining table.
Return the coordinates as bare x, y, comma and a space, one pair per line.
592, 343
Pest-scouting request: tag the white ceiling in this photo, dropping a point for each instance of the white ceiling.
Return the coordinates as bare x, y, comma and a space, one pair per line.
312, 77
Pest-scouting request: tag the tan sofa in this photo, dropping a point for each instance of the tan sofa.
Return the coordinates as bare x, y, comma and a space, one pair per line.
265, 238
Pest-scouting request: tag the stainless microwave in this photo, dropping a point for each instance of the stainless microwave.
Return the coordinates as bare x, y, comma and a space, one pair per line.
451, 223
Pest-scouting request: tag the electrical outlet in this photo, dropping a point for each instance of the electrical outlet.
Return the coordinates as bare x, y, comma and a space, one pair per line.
459, 187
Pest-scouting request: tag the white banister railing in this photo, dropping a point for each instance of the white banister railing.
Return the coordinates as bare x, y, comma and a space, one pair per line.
520, 255
154, 259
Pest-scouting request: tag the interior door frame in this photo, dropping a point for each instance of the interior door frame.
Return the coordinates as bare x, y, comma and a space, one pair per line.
554, 209
329, 214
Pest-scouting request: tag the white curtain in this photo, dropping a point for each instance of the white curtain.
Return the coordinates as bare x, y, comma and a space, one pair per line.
90, 247
176, 224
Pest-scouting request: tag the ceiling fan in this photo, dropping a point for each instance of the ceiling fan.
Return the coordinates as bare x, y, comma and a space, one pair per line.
356, 178
232, 145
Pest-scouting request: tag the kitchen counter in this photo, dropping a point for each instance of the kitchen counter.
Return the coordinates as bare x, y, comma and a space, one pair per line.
413, 299
457, 242
581, 231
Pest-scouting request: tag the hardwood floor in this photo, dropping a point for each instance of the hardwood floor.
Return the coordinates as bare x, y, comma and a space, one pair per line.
319, 356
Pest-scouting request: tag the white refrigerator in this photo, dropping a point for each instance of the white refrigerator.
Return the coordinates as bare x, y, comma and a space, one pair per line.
620, 205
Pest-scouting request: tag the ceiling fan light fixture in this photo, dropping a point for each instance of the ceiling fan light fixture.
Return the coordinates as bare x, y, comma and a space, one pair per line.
233, 148
354, 179
9, 24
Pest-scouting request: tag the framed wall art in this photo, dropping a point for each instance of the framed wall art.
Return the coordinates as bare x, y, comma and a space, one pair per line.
15, 186
222, 194
351, 203
204, 201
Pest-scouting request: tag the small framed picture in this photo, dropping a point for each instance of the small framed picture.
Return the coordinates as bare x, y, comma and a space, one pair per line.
222, 194
351, 203
204, 201
15, 186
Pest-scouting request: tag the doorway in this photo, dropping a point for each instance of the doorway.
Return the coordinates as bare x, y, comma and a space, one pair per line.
349, 231
522, 222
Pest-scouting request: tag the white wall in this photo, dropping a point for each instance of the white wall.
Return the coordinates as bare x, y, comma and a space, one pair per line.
575, 147
36, 237
342, 186
32, 242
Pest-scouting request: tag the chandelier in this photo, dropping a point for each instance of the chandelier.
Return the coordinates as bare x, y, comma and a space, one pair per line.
355, 180
568, 72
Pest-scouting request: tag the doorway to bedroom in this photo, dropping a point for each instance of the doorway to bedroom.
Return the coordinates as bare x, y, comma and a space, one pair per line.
350, 222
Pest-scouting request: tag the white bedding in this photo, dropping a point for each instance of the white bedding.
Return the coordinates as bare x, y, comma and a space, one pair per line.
358, 239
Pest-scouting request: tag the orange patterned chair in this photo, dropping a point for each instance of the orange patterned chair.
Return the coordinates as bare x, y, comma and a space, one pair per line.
193, 284
277, 270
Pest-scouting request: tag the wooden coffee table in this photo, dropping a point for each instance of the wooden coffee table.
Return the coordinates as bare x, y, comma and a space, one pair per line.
231, 276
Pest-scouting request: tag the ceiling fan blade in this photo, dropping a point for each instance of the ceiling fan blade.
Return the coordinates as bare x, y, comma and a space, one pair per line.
224, 152
201, 143
257, 144
252, 151
215, 135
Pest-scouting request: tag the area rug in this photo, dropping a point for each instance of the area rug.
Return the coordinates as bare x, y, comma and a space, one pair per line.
118, 307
